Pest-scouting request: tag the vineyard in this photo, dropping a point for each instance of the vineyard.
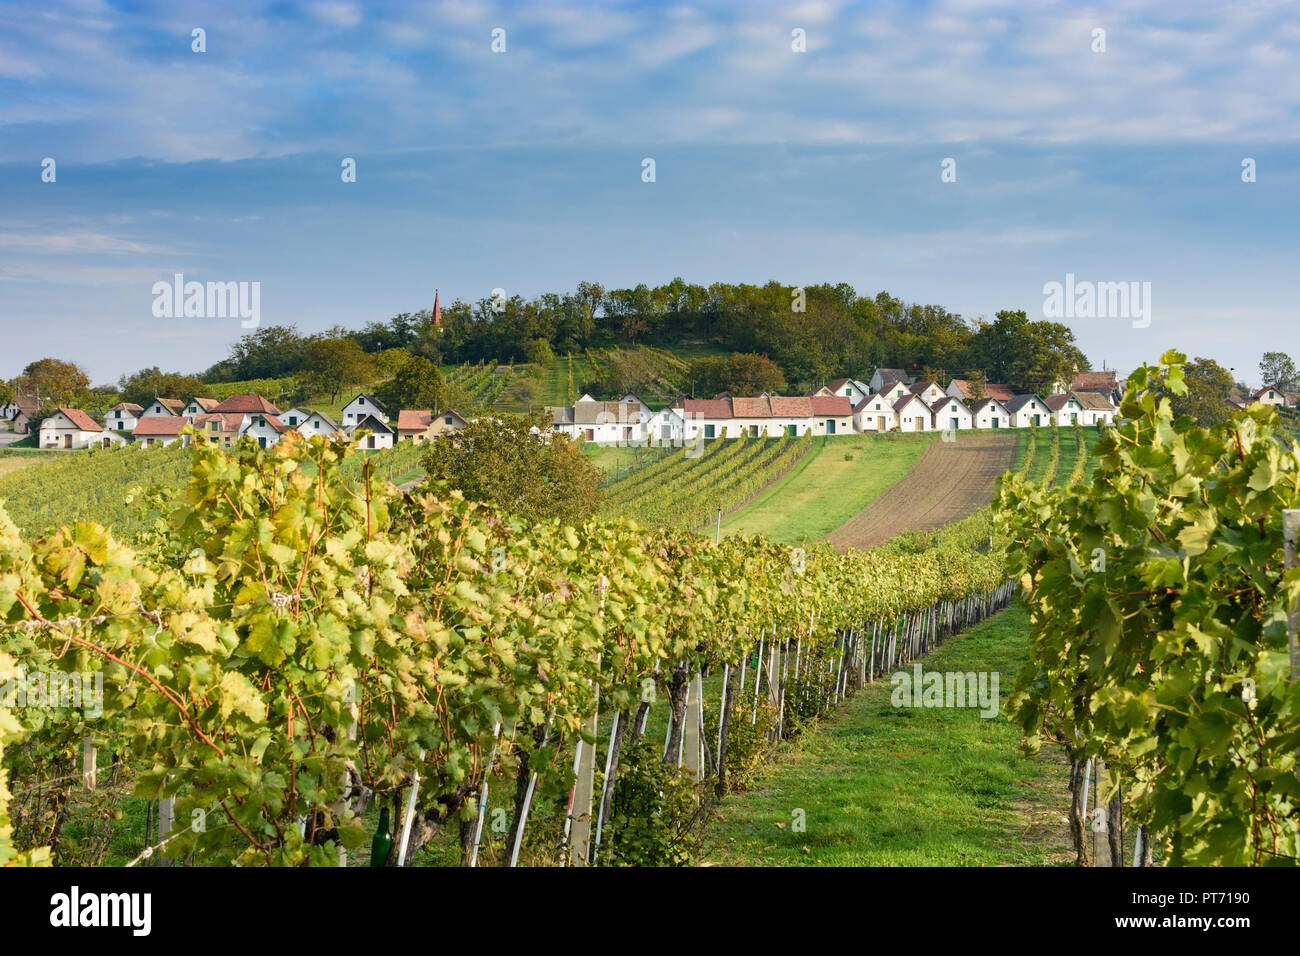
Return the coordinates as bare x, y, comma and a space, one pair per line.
300, 649
687, 487
108, 486
1159, 600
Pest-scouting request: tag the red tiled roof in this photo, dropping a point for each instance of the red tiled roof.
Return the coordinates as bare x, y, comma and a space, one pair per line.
81, 420
417, 420
1094, 381
707, 407
247, 404
751, 408
173, 405
1056, 402
1095, 401
783, 407
1003, 393
207, 404
832, 405
158, 427
126, 407
229, 421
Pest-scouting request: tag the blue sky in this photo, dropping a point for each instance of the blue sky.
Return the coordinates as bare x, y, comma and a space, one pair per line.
522, 170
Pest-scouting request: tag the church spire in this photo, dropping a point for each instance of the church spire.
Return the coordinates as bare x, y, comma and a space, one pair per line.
437, 312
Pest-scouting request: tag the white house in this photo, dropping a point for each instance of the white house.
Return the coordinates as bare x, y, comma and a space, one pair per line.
912, 413
199, 406
881, 376
875, 413
308, 422
266, 430
832, 415
1028, 410
163, 408
990, 413
602, 421
1097, 409
122, 417
930, 392
665, 425
951, 413
895, 389
69, 428
112, 438
849, 388
360, 408
381, 435
1269, 395
1065, 409
157, 431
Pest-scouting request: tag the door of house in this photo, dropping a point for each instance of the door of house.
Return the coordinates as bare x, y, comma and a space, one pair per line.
1038, 420
107, 442
590, 433
920, 424
753, 431
627, 432
880, 423
668, 431
995, 423
952, 423
830, 426
67, 441
792, 430
370, 441
261, 441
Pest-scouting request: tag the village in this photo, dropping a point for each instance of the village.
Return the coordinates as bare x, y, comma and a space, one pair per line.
889, 401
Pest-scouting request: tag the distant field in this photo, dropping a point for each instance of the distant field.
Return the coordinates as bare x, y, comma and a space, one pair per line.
842, 476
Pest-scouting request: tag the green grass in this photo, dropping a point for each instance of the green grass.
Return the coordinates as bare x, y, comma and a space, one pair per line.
829, 486
886, 786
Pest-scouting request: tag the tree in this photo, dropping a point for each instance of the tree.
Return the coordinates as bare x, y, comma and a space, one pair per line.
1278, 370
540, 352
147, 384
525, 391
976, 383
417, 384
335, 362
1209, 386
500, 460
7, 393
739, 374
54, 382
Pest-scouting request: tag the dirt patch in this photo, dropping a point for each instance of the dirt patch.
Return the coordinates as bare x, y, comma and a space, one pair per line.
950, 481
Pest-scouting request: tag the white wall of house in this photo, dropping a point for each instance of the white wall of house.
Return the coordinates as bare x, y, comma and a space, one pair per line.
58, 431
120, 420
311, 425
931, 393
1271, 397
953, 414
357, 409
877, 415
1070, 412
664, 425
111, 438
157, 409
1097, 416
159, 441
375, 440
914, 416
992, 415
1024, 416
262, 433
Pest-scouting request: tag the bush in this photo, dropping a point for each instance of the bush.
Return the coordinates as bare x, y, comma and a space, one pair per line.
657, 817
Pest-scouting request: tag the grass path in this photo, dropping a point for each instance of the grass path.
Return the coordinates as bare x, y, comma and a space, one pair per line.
886, 786
830, 485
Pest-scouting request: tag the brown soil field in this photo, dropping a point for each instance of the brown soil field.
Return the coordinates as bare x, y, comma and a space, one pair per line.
950, 481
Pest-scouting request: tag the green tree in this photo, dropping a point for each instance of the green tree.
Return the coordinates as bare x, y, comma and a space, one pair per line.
54, 382
540, 352
740, 374
535, 476
334, 363
1209, 386
417, 384
147, 384
1278, 370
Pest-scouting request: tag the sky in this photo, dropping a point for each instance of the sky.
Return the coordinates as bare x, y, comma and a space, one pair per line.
1112, 157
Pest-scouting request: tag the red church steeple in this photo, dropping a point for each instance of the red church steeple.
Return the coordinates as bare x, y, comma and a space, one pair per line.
437, 312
